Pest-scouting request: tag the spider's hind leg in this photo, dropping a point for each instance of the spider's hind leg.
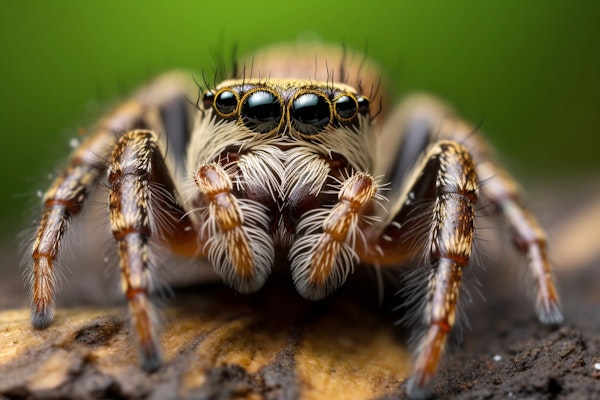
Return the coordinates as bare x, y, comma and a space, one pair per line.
408, 140
427, 119
161, 106
63, 201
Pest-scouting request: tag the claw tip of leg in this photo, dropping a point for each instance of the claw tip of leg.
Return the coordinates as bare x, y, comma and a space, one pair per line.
151, 362
41, 319
417, 391
551, 315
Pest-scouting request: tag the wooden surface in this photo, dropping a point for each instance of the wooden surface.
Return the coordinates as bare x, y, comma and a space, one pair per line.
274, 345
216, 345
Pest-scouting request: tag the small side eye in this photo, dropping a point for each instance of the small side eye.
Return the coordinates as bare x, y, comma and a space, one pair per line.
310, 113
364, 105
225, 103
261, 111
208, 99
346, 107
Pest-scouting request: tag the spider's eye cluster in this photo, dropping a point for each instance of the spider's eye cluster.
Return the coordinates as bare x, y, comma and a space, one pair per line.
308, 112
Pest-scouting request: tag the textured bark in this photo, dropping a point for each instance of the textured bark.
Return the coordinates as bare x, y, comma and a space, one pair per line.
216, 345
274, 345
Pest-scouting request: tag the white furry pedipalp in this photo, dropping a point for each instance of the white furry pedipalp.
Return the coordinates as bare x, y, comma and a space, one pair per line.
220, 251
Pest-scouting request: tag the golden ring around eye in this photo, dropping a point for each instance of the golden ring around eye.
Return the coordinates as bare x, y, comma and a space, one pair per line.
226, 103
345, 107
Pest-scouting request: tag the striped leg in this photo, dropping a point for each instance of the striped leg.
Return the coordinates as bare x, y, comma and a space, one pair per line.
434, 217
143, 207
449, 251
528, 236
424, 119
159, 106
65, 199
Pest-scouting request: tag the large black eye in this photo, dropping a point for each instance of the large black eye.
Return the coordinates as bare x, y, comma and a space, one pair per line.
310, 113
346, 107
226, 103
261, 111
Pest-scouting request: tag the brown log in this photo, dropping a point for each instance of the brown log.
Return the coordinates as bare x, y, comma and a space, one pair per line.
274, 345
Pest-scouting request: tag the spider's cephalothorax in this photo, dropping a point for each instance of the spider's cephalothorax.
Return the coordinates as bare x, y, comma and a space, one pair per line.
289, 161
280, 154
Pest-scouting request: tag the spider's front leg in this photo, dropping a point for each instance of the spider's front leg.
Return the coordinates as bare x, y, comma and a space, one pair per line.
143, 207
434, 216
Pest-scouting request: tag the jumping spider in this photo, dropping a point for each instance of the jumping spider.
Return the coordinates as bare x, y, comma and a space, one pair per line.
289, 160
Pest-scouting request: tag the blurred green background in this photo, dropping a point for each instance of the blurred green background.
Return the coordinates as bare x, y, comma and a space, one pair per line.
528, 69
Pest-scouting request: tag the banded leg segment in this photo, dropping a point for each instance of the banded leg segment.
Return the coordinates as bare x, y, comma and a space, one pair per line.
62, 201
152, 107
528, 236
65, 199
143, 207
449, 247
435, 217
